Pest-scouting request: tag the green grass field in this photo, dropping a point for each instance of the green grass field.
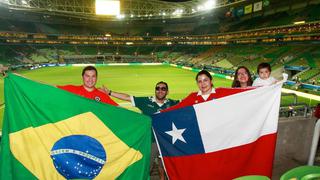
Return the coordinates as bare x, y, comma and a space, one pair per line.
133, 80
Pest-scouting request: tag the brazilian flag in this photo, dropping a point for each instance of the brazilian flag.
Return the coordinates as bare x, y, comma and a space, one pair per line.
50, 133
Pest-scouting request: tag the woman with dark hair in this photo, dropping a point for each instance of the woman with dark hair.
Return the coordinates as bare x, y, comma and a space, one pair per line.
242, 78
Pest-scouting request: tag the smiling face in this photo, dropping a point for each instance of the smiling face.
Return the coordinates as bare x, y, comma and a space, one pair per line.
161, 91
204, 83
243, 76
89, 79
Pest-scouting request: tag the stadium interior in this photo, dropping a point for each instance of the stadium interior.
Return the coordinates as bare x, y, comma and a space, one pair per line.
218, 36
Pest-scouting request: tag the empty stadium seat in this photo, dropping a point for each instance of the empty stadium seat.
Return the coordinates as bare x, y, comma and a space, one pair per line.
302, 173
252, 177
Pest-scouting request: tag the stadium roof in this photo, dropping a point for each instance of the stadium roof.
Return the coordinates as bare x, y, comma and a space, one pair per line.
130, 9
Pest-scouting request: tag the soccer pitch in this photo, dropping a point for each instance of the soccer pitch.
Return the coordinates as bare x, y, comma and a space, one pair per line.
135, 80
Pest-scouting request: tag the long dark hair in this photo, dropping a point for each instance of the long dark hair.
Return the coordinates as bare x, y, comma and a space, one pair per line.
236, 83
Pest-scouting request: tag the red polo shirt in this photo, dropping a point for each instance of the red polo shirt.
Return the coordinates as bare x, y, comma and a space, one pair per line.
196, 97
95, 94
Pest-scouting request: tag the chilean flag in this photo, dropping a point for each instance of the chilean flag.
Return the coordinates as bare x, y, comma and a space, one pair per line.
221, 139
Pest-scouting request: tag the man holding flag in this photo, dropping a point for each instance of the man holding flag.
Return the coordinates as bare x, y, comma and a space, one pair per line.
88, 88
148, 106
46, 137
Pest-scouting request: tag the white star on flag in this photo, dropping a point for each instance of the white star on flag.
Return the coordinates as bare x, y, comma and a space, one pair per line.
176, 134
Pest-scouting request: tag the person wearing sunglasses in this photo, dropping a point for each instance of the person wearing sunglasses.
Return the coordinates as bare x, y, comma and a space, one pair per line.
148, 106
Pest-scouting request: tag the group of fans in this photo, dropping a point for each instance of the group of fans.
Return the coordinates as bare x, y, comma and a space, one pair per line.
159, 102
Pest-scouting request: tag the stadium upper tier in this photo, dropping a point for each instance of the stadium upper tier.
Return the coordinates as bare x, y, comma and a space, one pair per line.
288, 22
289, 33
217, 21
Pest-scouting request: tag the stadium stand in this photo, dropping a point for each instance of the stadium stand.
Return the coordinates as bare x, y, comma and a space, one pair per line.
310, 73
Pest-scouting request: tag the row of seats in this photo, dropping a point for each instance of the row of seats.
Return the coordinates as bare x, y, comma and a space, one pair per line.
298, 173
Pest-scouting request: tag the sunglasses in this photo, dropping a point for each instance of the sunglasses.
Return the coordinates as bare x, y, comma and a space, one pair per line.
161, 88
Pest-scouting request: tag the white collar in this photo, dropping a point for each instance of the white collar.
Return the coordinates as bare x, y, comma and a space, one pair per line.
213, 90
153, 99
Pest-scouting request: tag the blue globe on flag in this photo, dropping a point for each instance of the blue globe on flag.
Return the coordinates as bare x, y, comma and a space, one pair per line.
78, 157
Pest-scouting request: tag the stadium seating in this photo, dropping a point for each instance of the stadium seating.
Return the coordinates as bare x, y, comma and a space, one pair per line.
312, 72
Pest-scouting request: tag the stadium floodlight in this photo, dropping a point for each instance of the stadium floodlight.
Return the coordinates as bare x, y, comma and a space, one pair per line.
108, 7
121, 16
24, 2
177, 12
299, 22
210, 4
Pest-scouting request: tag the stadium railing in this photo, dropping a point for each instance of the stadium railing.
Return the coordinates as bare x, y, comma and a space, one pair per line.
314, 145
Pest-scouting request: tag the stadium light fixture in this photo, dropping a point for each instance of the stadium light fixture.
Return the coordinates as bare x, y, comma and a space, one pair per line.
199, 8
210, 4
108, 7
121, 16
299, 22
24, 2
177, 12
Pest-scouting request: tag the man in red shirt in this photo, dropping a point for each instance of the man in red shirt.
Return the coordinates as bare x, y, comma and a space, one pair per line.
88, 89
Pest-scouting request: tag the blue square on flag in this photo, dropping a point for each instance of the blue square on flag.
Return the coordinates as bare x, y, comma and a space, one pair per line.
178, 132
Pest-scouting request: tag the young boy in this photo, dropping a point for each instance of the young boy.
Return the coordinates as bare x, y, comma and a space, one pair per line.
264, 79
